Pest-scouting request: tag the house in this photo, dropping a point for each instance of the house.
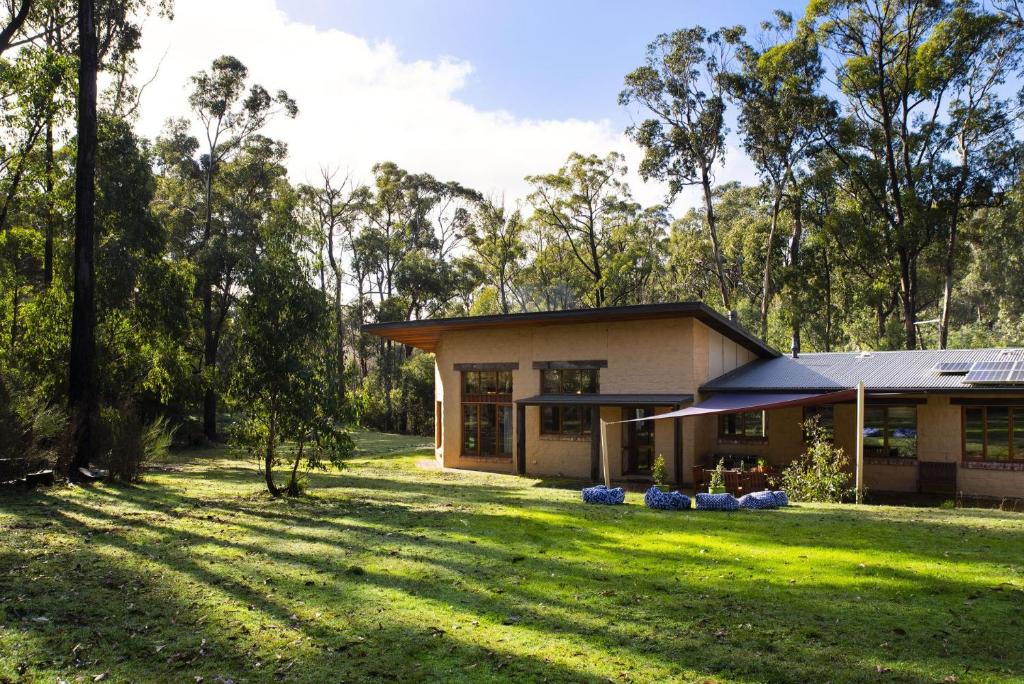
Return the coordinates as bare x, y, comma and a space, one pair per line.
525, 393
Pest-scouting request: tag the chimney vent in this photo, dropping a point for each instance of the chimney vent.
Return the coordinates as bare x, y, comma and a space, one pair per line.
795, 347
733, 316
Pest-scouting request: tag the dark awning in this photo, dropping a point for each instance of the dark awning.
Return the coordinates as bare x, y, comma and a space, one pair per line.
607, 400
754, 401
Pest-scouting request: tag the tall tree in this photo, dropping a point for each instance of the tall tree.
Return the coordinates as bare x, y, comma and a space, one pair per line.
680, 86
780, 116
497, 239
83, 398
229, 116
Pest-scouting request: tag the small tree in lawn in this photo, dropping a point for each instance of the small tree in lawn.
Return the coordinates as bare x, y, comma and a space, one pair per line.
284, 333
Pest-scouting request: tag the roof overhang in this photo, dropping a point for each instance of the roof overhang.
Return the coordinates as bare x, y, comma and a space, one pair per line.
607, 400
425, 334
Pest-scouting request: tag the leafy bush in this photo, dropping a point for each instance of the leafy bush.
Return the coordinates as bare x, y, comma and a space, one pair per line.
821, 473
717, 476
127, 444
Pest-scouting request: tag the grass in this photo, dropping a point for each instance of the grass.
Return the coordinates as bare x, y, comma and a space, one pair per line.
389, 571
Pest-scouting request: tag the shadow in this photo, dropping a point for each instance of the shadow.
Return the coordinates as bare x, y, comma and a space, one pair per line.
388, 572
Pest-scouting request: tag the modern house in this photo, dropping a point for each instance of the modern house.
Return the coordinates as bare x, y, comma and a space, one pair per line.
525, 394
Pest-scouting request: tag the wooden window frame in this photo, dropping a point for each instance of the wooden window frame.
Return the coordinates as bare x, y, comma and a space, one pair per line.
438, 424
585, 415
885, 429
746, 439
561, 379
499, 400
1011, 411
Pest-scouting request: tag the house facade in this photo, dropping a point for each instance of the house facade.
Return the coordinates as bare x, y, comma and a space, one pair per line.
525, 394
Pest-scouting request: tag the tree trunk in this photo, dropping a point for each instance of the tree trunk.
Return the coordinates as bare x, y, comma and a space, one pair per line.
907, 299
209, 337
709, 207
268, 459
947, 275
293, 483
794, 264
766, 283
82, 392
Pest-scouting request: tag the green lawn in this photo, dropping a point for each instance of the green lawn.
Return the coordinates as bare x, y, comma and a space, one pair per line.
391, 571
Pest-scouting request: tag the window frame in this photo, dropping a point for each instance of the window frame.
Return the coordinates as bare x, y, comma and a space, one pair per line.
886, 430
724, 436
500, 400
1011, 410
558, 411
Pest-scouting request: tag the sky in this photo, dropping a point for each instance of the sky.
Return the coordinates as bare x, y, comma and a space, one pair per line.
481, 92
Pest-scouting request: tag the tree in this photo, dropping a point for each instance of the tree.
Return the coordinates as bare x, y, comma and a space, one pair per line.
780, 117
497, 240
82, 393
680, 86
229, 116
586, 200
283, 323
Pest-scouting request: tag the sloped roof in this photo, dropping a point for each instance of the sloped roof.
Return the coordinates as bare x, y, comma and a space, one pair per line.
426, 333
881, 371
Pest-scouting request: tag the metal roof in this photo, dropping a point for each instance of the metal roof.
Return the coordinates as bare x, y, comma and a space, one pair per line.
607, 400
426, 333
893, 371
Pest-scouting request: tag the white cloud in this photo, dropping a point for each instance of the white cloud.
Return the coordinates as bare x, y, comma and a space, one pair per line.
360, 103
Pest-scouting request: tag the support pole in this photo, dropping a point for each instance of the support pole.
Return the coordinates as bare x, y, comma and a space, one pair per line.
604, 455
860, 442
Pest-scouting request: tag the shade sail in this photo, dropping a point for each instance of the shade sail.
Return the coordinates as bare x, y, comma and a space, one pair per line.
751, 401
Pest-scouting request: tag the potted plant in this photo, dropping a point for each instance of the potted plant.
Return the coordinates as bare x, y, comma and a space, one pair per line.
717, 483
658, 472
762, 465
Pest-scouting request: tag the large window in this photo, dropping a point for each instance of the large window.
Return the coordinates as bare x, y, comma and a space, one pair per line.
742, 426
993, 433
890, 431
487, 413
569, 421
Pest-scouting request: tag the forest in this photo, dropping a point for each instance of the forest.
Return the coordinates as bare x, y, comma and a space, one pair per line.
185, 289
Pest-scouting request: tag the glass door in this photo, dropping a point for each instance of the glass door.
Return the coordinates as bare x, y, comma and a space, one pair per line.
637, 442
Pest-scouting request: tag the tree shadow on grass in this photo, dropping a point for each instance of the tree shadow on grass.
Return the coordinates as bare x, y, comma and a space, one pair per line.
397, 562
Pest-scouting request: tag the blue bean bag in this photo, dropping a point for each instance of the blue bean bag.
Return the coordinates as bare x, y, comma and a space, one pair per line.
602, 495
717, 502
758, 501
781, 499
666, 501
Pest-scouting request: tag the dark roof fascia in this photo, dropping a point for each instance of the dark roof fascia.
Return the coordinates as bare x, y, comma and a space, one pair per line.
606, 400
698, 310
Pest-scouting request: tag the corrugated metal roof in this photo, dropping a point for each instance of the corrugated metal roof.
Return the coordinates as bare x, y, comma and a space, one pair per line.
880, 371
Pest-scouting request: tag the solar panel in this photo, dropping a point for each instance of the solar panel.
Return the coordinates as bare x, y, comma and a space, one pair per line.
953, 367
994, 366
1017, 377
989, 377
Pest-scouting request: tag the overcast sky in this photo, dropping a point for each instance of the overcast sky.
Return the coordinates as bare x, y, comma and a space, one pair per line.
481, 92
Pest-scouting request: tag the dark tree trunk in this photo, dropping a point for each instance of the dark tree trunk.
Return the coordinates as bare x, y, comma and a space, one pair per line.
268, 459
794, 264
82, 392
293, 483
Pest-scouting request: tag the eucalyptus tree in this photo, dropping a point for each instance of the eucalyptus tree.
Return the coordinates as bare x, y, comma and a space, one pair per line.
229, 114
585, 201
681, 88
902, 67
780, 115
83, 396
496, 236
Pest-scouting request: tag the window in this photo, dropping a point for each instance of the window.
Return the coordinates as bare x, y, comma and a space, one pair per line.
890, 431
438, 425
487, 413
742, 426
570, 421
569, 381
824, 417
993, 433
